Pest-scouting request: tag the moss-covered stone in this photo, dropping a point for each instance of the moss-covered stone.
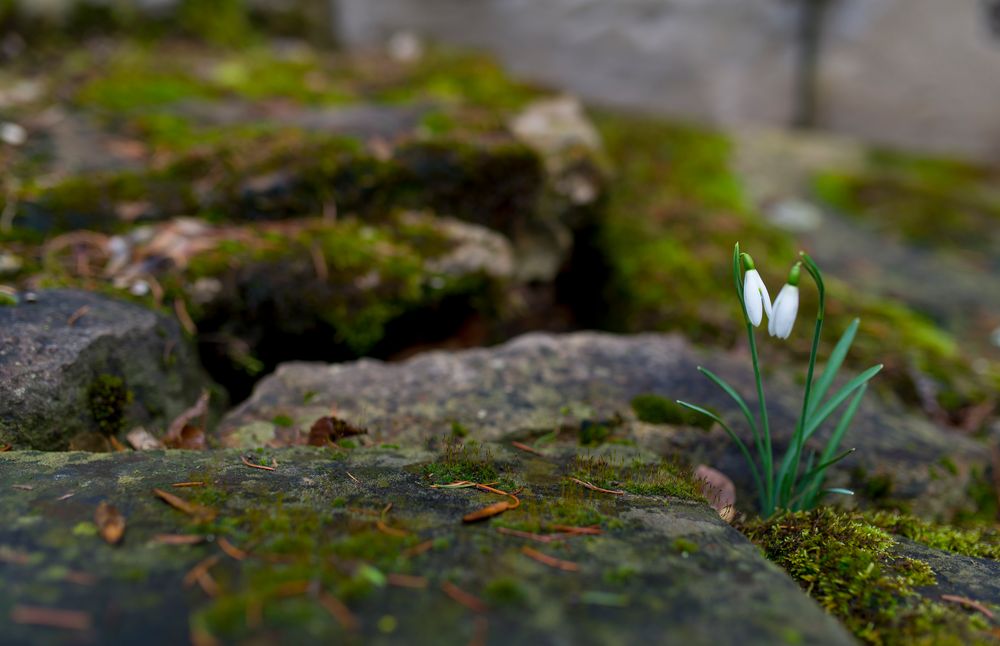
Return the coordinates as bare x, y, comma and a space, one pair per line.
677, 208
76, 368
850, 567
282, 560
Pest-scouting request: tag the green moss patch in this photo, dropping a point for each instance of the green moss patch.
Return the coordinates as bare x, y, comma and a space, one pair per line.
663, 478
654, 409
847, 564
108, 399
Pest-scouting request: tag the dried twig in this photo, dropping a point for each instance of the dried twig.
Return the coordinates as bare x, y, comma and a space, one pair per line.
406, 580
527, 449
188, 484
255, 466
385, 529
540, 538
551, 561
179, 539
231, 550
191, 509
77, 315
199, 574
356, 481
594, 487
23, 487
968, 603
472, 602
51, 617
185, 319
592, 530
418, 549
340, 612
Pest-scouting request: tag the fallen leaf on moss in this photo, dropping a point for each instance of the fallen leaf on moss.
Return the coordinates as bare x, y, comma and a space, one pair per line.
6, 447
110, 523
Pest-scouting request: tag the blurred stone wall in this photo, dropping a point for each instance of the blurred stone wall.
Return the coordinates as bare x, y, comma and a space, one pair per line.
921, 74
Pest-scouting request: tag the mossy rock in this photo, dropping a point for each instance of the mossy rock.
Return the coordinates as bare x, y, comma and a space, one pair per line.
549, 387
679, 204
888, 589
328, 545
79, 369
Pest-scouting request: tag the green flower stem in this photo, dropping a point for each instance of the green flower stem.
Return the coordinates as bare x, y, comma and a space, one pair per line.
788, 476
767, 458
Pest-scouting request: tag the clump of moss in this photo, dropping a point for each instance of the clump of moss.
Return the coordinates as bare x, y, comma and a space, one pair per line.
984, 543
469, 461
593, 433
654, 409
847, 564
664, 478
108, 398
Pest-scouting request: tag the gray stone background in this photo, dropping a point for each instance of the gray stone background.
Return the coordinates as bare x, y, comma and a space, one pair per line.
921, 74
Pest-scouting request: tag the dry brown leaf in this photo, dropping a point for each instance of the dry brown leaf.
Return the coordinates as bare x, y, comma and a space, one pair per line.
331, 429
182, 434
487, 512
6, 447
718, 489
197, 512
110, 523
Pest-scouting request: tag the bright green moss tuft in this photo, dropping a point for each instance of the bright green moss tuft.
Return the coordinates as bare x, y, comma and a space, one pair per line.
847, 564
981, 543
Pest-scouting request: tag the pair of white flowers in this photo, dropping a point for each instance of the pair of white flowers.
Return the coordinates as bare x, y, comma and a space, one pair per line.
780, 315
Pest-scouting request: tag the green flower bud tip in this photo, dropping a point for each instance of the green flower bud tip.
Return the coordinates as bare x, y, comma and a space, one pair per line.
793, 275
747, 261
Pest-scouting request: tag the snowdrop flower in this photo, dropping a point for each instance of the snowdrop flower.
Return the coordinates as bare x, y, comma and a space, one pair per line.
756, 298
786, 306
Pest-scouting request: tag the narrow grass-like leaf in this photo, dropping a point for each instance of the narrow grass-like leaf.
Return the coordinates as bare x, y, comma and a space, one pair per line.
832, 366
845, 492
729, 390
736, 438
812, 488
823, 466
836, 400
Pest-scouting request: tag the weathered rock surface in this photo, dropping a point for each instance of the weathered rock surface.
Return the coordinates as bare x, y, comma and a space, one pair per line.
318, 552
964, 576
76, 367
539, 383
